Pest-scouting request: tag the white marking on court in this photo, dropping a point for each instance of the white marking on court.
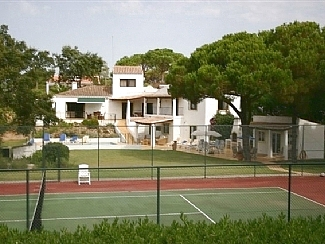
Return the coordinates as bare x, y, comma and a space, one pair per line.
102, 217
306, 198
232, 193
12, 220
142, 196
193, 205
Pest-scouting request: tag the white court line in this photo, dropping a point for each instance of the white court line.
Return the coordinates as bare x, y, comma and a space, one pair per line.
12, 220
141, 196
232, 193
306, 198
193, 205
102, 217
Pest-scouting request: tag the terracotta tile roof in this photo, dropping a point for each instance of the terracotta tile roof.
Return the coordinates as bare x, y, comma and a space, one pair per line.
93, 90
127, 70
84, 81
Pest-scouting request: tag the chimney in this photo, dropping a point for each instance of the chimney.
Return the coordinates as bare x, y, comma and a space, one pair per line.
47, 87
74, 85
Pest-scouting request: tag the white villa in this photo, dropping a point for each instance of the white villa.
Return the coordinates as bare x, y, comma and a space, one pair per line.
147, 114
146, 111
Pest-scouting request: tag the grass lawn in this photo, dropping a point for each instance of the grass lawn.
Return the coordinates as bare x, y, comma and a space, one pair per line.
147, 158
315, 166
13, 143
131, 158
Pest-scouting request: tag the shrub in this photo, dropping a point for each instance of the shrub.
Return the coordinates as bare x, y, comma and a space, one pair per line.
260, 230
90, 123
54, 153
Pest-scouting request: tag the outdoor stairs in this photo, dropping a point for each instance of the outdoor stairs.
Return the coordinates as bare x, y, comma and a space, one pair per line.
121, 124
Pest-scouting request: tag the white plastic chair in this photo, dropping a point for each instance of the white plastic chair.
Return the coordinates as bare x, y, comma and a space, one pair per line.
83, 174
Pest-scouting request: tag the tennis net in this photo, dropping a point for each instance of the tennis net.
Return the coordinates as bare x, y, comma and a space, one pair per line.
36, 222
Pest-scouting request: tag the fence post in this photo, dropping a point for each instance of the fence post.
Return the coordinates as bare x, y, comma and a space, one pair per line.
98, 153
158, 195
152, 138
27, 199
289, 192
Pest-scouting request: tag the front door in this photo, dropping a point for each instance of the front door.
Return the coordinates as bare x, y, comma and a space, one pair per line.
149, 108
276, 142
124, 109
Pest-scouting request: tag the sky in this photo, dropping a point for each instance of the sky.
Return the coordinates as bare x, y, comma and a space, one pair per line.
116, 28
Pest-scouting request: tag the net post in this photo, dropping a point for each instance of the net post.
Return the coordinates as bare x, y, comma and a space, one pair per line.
158, 195
289, 192
27, 199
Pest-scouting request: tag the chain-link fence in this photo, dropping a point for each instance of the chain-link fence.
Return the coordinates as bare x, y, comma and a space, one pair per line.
159, 171
23, 146
162, 194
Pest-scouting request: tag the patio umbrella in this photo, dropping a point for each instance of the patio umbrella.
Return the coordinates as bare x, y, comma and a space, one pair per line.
206, 133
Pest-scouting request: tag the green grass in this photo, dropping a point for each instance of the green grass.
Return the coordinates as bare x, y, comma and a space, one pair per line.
13, 143
130, 158
307, 166
145, 158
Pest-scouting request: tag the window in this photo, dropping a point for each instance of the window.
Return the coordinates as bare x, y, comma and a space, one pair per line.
222, 105
165, 128
261, 136
192, 106
127, 83
75, 110
192, 128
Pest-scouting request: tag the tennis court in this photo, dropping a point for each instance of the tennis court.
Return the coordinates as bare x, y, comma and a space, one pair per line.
68, 210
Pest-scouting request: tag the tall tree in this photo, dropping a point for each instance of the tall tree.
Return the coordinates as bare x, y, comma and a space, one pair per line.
75, 65
302, 47
21, 69
155, 63
159, 62
239, 65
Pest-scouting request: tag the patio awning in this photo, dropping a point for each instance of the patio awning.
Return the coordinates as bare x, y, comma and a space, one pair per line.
91, 100
151, 120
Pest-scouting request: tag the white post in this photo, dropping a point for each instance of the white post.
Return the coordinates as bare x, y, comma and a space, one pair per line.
127, 117
158, 106
174, 107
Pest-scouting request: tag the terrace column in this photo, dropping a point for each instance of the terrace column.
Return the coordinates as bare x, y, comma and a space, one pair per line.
158, 106
285, 146
137, 132
174, 107
153, 135
127, 117
269, 144
144, 107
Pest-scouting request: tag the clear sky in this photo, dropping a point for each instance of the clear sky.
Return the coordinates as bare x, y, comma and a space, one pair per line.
117, 28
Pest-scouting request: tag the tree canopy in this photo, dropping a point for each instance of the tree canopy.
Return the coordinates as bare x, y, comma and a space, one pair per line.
155, 63
74, 65
238, 65
23, 70
274, 69
302, 46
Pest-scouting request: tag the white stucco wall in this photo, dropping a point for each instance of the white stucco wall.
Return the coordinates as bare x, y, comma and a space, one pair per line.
61, 108
60, 104
125, 91
311, 139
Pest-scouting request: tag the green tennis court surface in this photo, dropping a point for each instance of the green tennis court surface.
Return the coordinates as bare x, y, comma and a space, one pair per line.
73, 209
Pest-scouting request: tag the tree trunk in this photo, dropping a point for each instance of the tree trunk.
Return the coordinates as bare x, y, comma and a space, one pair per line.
246, 117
